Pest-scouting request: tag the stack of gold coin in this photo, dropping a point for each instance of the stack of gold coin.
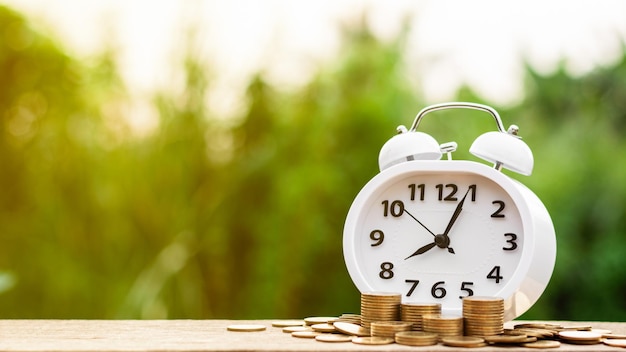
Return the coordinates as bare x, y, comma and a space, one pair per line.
389, 328
484, 316
379, 306
443, 325
412, 312
416, 338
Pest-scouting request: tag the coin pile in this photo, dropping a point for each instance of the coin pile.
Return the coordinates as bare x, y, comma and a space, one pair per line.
413, 312
484, 316
385, 320
389, 328
416, 338
379, 306
443, 325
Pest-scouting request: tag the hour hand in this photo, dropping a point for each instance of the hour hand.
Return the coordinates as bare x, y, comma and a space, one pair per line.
422, 250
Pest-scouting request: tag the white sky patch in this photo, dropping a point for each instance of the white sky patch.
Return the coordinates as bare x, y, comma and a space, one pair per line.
482, 43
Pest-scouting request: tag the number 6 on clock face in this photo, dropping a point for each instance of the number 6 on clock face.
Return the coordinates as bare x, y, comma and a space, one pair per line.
440, 231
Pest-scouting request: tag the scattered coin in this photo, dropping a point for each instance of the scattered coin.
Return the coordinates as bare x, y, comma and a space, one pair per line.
615, 342
318, 320
580, 337
245, 327
372, 340
290, 329
385, 320
538, 333
333, 338
577, 327
506, 339
284, 323
538, 326
323, 327
542, 344
351, 329
306, 334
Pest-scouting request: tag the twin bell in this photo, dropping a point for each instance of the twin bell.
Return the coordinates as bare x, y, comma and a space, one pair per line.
503, 148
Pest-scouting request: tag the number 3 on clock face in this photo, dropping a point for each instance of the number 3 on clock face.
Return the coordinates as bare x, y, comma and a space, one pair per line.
441, 235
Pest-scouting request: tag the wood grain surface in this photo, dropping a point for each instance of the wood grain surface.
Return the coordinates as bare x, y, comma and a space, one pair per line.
203, 335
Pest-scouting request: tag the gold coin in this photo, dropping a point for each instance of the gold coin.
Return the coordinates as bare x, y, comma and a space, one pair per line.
306, 334
245, 327
542, 344
285, 323
351, 329
333, 338
318, 320
580, 336
323, 327
577, 327
506, 339
615, 342
539, 333
372, 340
530, 326
463, 341
290, 329
512, 332
529, 339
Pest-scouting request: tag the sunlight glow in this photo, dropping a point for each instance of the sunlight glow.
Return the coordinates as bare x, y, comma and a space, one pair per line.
482, 43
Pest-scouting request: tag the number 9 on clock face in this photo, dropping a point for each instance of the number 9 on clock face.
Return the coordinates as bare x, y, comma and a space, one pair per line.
441, 231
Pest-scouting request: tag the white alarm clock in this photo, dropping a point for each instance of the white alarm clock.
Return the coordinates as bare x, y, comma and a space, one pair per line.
440, 230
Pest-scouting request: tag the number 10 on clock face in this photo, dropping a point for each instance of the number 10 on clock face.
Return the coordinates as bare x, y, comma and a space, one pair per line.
435, 237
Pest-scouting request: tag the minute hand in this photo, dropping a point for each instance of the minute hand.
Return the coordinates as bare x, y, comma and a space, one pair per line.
456, 214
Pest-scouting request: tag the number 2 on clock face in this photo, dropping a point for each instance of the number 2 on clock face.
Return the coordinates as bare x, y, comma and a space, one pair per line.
436, 238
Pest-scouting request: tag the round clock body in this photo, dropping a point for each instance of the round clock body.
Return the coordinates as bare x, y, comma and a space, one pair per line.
437, 231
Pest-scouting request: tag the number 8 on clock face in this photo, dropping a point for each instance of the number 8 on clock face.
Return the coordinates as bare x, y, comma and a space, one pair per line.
443, 230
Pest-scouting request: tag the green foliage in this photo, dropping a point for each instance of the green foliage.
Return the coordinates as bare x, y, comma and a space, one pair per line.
209, 217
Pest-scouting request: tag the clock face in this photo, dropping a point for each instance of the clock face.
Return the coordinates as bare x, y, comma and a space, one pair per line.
435, 237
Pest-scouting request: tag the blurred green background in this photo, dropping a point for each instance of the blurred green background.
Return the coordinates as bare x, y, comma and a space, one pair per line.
242, 217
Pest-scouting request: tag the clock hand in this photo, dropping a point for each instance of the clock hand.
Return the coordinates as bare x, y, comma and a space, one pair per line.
456, 214
419, 222
444, 240
423, 249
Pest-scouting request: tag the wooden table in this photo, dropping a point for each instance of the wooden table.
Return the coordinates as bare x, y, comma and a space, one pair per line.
202, 335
